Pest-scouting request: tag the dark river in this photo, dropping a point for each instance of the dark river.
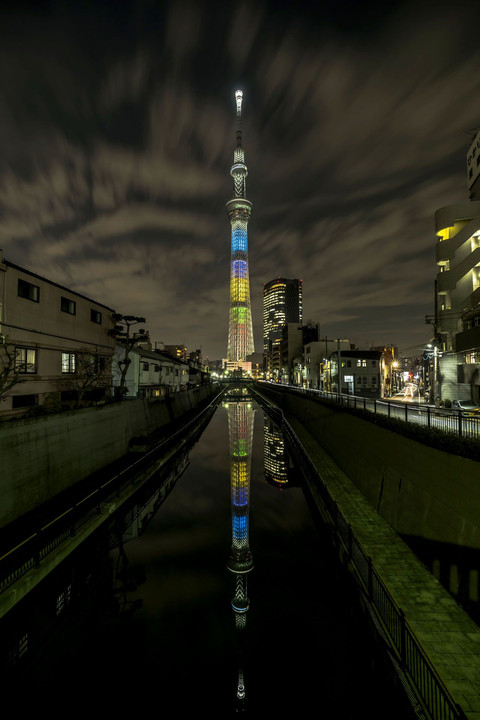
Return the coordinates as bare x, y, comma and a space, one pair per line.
153, 622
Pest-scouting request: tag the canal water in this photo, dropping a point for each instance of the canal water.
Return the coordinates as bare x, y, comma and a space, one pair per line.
229, 600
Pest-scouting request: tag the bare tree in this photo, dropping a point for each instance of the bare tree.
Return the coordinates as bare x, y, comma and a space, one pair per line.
128, 340
93, 371
9, 371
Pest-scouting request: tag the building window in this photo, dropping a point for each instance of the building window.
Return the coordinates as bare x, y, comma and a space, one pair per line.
374, 381
96, 316
349, 363
145, 366
68, 306
19, 401
156, 368
68, 362
25, 360
374, 363
28, 291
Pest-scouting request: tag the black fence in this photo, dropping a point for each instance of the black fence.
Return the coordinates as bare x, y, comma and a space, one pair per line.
456, 422
432, 694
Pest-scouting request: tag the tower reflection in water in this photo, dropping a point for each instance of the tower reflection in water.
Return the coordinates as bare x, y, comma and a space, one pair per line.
240, 429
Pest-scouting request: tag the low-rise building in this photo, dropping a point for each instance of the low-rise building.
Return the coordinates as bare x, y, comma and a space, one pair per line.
361, 373
54, 343
150, 373
314, 362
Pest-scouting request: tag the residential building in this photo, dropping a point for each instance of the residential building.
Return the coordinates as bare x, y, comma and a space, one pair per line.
282, 304
361, 373
58, 342
176, 351
291, 346
314, 362
151, 373
456, 342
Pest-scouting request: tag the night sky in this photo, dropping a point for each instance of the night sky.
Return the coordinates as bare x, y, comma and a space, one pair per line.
117, 130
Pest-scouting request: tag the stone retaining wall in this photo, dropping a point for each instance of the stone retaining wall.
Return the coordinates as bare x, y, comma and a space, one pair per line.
40, 457
420, 491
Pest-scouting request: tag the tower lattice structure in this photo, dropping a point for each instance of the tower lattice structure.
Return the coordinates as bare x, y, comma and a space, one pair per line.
239, 209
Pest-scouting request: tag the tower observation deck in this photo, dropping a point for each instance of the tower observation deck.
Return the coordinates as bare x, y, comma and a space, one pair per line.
239, 209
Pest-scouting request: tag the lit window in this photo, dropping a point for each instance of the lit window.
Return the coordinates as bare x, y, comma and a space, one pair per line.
25, 360
68, 362
28, 291
68, 306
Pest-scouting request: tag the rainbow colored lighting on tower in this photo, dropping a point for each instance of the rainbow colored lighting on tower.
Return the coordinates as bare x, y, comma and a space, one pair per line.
239, 209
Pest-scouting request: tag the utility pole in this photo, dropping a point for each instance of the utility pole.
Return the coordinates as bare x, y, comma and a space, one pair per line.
339, 360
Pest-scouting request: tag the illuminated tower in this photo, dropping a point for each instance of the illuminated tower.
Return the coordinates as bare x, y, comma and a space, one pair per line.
239, 209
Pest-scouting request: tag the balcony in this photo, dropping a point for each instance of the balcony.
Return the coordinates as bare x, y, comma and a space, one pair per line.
468, 340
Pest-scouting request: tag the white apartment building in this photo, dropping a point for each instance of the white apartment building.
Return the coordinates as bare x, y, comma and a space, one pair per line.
312, 365
457, 351
46, 332
150, 373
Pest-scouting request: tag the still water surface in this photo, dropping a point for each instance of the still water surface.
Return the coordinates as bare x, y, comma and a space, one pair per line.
178, 640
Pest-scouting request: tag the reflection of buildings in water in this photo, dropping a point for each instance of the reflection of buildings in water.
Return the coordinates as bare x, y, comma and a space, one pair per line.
275, 457
240, 428
93, 581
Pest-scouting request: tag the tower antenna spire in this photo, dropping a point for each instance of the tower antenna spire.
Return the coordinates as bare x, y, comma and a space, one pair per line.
239, 99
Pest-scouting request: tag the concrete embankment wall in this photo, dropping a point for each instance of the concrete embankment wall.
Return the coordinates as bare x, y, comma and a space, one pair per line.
420, 491
41, 457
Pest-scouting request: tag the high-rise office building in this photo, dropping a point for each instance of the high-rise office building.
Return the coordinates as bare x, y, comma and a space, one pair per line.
240, 329
282, 304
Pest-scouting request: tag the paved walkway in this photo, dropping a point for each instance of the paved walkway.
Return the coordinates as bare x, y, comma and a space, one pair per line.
449, 636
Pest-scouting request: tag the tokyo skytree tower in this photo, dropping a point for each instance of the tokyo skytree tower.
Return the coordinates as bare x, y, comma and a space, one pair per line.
239, 209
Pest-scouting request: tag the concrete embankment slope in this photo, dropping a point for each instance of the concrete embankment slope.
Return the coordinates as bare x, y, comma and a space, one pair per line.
449, 636
42, 457
419, 490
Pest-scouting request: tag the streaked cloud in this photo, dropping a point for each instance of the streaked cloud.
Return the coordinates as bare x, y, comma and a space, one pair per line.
115, 152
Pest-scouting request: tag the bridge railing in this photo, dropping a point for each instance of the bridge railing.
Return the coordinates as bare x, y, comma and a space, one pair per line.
434, 697
449, 421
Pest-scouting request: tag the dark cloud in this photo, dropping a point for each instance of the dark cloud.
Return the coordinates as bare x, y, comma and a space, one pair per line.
117, 134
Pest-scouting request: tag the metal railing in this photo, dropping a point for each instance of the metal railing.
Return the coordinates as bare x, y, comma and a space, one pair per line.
28, 553
414, 661
454, 422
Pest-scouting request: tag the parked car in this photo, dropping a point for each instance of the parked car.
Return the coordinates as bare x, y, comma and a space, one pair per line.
469, 408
